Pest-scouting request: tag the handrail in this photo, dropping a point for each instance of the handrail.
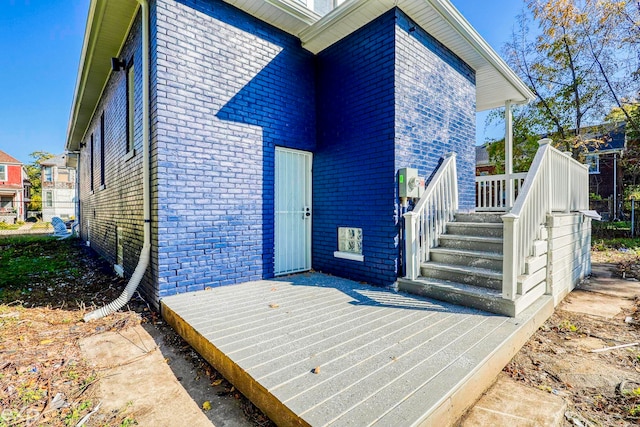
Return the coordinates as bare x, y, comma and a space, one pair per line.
555, 182
428, 219
491, 191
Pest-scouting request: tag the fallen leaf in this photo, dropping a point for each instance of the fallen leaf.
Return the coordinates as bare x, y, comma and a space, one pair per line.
45, 342
316, 370
216, 382
274, 289
273, 305
206, 406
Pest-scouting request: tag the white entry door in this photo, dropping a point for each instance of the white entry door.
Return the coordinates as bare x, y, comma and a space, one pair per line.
293, 211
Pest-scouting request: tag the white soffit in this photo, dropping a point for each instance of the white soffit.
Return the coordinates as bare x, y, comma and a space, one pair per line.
288, 15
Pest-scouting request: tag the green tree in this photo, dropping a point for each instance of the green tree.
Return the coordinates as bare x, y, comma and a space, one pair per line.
577, 64
630, 162
35, 176
525, 143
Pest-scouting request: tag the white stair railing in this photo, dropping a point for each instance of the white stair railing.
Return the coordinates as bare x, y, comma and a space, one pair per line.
491, 191
428, 219
555, 182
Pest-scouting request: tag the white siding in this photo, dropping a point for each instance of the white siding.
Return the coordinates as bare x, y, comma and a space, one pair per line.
569, 256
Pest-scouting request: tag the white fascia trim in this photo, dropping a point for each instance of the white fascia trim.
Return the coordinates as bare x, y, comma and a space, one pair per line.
106, 81
86, 58
297, 10
349, 256
450, 14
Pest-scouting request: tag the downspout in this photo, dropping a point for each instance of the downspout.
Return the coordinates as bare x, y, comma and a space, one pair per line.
145, 253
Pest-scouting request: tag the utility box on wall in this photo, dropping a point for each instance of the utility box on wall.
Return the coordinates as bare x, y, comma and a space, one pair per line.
409, 184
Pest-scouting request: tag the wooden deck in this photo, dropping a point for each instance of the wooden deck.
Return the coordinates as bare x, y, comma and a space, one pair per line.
317, 350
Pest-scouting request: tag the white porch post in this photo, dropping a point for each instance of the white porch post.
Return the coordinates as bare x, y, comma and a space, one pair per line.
508, 154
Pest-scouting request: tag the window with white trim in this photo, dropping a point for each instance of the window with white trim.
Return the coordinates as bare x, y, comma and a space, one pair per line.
130, 106
3, 172
91, 164
48, 173
593, 161
349, 244
119, 265
48, 199
350, 240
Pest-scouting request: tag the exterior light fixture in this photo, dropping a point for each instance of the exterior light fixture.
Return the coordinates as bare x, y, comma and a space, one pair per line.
117, 64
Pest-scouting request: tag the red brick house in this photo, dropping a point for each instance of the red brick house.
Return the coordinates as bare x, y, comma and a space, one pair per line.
12, 177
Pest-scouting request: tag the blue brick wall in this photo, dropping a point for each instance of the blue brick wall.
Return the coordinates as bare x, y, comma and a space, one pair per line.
435, 107
229, 89
354, 160
389, 96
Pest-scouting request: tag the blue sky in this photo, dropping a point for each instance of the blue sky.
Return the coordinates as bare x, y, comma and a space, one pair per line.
40, 44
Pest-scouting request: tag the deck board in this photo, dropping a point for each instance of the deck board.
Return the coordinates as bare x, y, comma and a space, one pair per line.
384, 357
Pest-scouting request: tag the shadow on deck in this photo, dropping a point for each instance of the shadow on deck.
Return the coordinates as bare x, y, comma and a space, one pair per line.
317, 350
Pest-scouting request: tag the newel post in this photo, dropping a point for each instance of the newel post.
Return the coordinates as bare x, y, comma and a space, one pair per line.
542, 143
411, 246
510, 256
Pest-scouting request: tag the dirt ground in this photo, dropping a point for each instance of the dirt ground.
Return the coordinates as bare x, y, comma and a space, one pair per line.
46, 287
46, 380
601, 388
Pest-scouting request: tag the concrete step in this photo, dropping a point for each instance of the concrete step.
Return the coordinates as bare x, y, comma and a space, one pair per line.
485, 229
471, 243
481, 277
479, 217
480, 259
459, 293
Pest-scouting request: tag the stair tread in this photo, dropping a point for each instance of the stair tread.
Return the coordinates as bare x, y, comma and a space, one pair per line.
497, 225
467, 252
472, 238
486, 272
483, 217
460, 287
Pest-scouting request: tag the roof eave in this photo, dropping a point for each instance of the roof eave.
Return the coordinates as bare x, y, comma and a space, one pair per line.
108, 23
466, 30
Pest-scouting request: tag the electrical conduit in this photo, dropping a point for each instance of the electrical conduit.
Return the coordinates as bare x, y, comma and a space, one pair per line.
145, 253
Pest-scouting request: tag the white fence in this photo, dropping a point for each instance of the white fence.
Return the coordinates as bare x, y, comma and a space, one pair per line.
428, 220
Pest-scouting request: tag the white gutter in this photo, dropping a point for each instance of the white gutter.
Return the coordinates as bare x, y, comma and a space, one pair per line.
145, 253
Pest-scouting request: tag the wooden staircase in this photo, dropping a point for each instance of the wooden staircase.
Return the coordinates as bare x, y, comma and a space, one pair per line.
466, 267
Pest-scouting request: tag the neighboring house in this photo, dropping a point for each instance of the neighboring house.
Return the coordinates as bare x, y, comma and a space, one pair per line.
275, 132
484, 166
58, 189
12, 189
605, 173
26, 191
